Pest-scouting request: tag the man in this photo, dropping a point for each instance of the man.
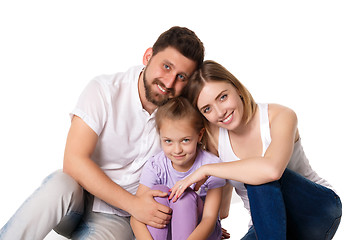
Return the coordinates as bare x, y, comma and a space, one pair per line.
112, 135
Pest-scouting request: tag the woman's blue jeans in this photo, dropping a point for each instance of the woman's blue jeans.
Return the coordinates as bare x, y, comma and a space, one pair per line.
293, 208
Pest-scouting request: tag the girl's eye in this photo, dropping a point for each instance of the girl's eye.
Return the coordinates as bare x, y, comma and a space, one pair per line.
223, 97
167, 141
186, 140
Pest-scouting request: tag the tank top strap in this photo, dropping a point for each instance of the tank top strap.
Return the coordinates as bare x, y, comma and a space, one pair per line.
264, 126
225, 150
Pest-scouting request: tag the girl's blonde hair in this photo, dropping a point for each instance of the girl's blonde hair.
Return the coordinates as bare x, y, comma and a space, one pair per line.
179, 108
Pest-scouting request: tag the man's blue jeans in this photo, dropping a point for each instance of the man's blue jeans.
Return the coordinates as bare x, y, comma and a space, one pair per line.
60, 203
293, 208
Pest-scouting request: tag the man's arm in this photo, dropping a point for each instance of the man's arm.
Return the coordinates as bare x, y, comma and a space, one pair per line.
81, 142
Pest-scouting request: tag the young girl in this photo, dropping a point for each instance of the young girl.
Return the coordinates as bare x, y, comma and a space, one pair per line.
194, 216
261, 147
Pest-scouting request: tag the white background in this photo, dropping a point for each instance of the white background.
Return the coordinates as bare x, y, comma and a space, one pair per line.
296, 53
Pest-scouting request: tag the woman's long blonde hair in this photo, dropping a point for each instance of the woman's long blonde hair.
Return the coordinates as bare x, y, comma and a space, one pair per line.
212, 71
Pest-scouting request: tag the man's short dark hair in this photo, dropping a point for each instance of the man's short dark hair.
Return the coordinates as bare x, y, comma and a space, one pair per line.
184, 40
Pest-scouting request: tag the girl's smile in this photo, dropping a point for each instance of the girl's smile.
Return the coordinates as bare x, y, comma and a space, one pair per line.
179, 142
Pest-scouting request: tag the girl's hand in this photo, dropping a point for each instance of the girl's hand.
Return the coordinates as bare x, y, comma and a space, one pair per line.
198, 177
225, 234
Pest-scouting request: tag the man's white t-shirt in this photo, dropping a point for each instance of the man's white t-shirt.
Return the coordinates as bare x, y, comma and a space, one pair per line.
110, 105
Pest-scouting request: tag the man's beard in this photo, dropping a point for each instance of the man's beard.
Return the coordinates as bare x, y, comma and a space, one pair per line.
155, 98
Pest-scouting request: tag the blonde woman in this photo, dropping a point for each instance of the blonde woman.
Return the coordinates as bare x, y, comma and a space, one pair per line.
263, 158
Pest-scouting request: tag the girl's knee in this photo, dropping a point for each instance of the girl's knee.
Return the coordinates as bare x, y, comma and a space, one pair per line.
189, 197
162, 188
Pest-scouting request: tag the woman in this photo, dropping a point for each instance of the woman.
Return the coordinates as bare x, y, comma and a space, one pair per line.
263, 158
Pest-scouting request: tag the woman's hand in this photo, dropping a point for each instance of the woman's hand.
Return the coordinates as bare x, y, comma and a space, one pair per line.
199, 177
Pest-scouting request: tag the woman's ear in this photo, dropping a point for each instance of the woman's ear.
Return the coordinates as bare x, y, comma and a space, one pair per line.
147, 56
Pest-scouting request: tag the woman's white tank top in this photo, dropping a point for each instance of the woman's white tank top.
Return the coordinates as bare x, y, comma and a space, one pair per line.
298, 162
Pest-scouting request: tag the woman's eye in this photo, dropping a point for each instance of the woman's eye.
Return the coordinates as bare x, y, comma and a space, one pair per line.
223, 97
206, 109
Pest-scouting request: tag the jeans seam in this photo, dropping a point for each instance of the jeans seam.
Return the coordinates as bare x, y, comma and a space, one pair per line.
334, 225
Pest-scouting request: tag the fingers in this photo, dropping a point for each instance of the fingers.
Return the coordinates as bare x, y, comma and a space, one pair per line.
176, 191
225, 234
164, 211
161, 217
161, 207
158, 193
158, 223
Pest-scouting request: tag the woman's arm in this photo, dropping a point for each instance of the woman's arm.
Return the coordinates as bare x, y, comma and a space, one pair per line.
270, 167
140, 229
209, 215
256, 170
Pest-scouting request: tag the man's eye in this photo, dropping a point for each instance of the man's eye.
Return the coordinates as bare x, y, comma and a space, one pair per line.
166, 66
181, 77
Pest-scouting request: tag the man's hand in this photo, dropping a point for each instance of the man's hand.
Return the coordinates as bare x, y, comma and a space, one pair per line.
147, 210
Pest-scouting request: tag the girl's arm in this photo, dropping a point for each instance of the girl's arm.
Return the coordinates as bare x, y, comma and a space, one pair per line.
140, 229
209, 216
227, 191
256, 170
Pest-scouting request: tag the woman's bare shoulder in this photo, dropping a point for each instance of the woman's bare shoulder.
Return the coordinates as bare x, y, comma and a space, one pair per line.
275, 110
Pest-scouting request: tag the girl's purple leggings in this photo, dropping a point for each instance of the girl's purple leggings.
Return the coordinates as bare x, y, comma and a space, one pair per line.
187, 213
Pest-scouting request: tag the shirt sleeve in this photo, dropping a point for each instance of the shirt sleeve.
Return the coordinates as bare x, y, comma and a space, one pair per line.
150, 173
93, 105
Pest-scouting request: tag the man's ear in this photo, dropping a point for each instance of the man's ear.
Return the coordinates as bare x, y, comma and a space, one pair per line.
147, 56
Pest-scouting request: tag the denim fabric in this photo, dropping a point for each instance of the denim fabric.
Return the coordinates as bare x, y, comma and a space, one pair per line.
293, 207
103, 226
60, 203
59, 197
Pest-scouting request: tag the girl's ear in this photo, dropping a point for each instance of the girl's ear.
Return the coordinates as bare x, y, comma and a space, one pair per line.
147, 56
201, 134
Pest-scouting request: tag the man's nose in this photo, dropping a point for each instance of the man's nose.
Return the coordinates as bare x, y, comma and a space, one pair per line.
169, 81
